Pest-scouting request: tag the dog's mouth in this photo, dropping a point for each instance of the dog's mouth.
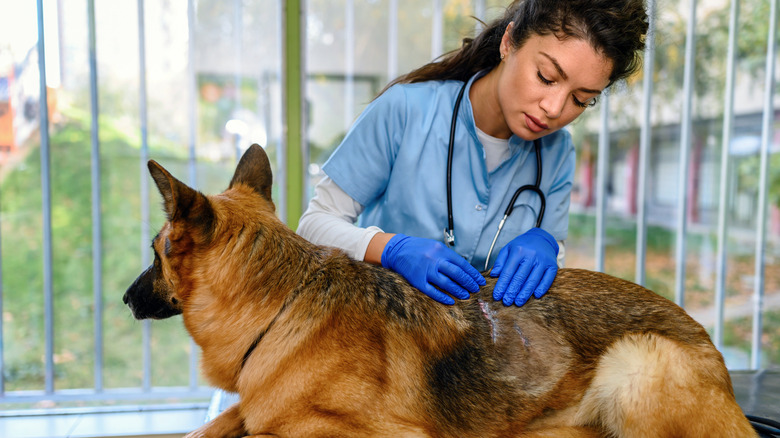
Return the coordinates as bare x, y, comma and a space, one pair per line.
150, 312
163, 314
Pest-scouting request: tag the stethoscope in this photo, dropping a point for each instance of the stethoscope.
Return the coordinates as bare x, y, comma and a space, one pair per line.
449, 233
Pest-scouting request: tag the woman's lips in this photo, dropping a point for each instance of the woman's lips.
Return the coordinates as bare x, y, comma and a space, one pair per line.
534, 124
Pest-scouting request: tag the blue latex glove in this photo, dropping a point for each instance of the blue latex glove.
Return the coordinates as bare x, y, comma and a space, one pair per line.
427, 264
526, 265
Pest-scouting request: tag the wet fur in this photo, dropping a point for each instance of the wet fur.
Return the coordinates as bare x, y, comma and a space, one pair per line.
317, 344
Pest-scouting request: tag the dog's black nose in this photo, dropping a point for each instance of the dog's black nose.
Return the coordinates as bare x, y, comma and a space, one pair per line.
124, 298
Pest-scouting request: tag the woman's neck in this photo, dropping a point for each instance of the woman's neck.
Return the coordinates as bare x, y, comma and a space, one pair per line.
487, 111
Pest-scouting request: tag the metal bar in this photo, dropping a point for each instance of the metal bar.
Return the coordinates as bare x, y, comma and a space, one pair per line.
62, 67
262, 105
281, 141
725, 176
685, 140
392, 40
103, 409
767, 133
97, 232
145, 233
2, 344
479, 12
107, 394
601, 183
192, 94
437, 30
294, 114
349, 66
645, 142
193, 364
146, 337
280, 177
48, 290
191, 162
238, 26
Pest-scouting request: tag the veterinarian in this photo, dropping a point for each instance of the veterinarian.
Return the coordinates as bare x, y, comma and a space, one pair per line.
522, 79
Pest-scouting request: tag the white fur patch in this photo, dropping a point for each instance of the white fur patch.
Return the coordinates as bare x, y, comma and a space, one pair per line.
631, 377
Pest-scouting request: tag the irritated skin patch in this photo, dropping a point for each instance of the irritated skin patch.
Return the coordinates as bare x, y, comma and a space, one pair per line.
490, 315
492, 319
519, 331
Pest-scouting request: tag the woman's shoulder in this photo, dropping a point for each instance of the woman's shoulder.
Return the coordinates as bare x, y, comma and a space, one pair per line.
424, 91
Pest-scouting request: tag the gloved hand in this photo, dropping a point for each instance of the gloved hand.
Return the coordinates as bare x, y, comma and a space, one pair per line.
426, 263
526, 265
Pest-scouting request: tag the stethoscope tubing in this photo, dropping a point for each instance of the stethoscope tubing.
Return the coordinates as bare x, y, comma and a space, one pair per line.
534, 188
449, 232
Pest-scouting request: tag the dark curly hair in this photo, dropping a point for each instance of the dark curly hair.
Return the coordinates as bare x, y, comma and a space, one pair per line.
615, 28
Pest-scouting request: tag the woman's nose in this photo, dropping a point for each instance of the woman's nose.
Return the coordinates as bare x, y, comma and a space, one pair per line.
553, 102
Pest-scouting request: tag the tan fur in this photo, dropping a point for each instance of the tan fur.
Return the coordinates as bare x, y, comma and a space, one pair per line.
643, 371
319, 345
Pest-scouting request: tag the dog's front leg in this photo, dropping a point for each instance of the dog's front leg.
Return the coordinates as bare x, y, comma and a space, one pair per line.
228, 424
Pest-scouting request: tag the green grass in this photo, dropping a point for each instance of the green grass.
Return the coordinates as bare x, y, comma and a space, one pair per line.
72, 262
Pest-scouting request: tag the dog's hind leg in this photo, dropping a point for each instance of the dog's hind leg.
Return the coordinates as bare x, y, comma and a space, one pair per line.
647, 385
228, 424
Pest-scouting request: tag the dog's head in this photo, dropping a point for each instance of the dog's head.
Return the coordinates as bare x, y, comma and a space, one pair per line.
161, 291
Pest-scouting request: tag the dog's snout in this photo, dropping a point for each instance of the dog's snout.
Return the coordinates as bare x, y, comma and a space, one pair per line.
148, 298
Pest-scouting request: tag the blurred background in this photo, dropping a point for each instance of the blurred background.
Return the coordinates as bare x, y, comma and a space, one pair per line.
677, 186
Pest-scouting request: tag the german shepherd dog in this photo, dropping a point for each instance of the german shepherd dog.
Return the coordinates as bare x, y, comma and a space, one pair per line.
317, 344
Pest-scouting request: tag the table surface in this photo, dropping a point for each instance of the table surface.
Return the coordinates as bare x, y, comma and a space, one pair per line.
758, 392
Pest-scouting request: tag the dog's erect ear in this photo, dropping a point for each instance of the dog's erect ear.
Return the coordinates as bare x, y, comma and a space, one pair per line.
181, 201
254, 170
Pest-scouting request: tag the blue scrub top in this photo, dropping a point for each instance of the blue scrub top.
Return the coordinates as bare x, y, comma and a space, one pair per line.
393, 161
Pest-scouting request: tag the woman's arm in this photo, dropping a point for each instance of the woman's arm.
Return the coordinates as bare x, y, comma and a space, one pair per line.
425, 263
330, 220
376, 247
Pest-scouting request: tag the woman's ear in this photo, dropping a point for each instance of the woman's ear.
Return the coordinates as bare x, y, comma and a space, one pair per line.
506, 41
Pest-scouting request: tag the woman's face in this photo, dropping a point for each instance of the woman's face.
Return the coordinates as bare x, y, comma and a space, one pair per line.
545, 84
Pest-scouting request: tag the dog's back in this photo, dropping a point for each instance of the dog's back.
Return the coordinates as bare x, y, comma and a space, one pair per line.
597, 355
603, 352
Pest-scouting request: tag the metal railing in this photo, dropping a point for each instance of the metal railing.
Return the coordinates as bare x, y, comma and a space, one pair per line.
768, 116
98, 392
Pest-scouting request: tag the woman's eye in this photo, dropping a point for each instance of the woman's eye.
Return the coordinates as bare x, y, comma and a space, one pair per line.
543, 79
587, 104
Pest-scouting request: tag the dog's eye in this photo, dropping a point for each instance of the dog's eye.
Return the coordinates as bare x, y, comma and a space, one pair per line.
174, 301
167, 246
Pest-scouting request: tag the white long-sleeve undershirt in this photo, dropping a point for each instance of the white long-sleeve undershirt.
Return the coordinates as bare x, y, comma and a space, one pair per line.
330, 220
